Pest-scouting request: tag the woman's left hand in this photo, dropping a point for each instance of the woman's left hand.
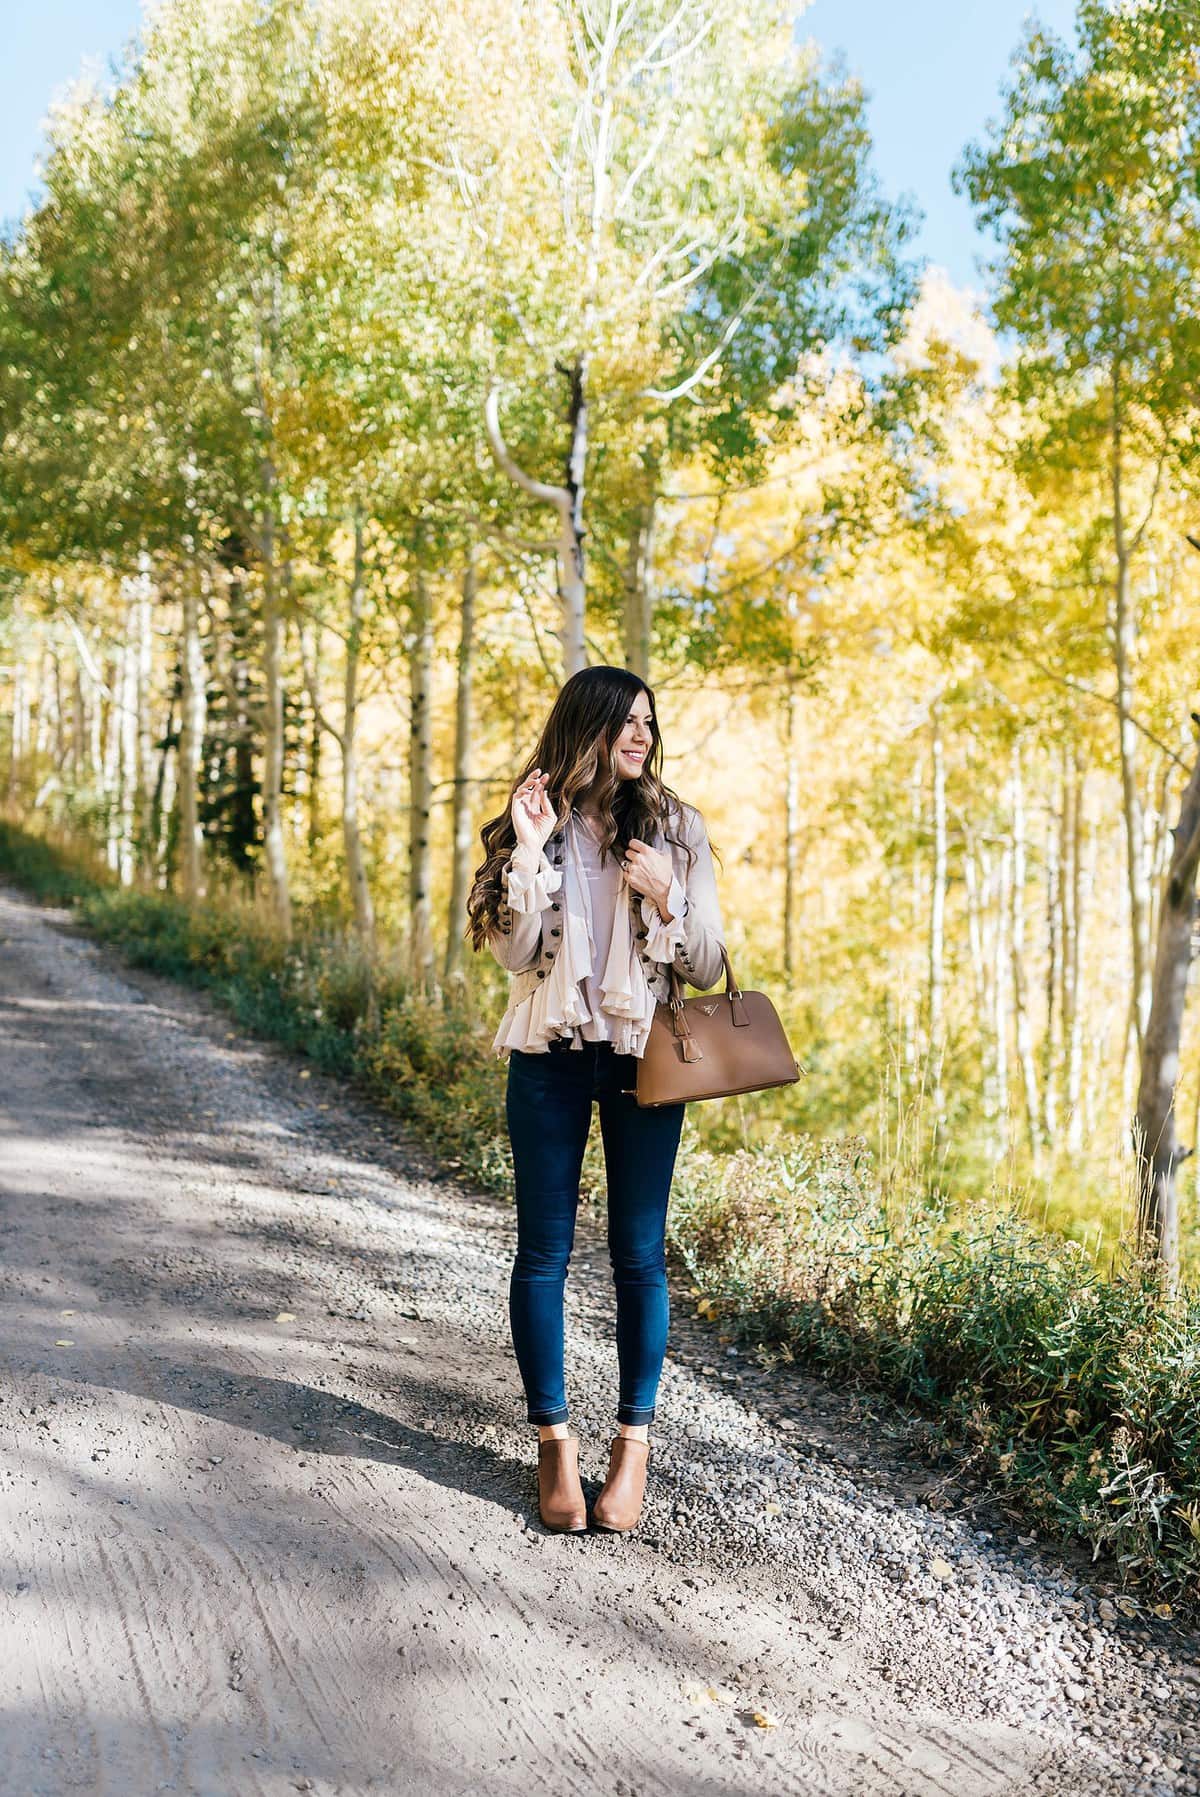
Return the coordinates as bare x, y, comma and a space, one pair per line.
649, 871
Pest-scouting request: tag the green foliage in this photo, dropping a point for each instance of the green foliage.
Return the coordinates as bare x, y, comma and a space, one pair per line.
309, 995
46, 870
430, 1065
1076, 1393
1089, 182
837, 275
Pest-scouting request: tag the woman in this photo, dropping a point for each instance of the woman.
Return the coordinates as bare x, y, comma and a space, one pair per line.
596, 879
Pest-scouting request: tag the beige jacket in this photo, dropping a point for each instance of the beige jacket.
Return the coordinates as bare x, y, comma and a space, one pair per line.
529, 936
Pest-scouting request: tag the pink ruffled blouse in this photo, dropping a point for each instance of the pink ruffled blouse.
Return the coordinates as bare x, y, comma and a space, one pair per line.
597, 989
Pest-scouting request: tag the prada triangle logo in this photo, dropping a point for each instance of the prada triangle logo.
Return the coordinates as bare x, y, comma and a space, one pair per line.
708, 1009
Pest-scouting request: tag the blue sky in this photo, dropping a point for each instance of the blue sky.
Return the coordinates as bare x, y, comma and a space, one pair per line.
933, 69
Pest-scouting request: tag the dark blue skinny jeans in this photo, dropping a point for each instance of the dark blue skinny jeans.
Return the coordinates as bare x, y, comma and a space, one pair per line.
549, 1108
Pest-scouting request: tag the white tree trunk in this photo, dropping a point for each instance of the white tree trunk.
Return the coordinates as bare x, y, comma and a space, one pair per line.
128, 771
60, 716
791, 822
568, 502
20, 729
937, 927
146, 769
1124, 633
44, 712
111, 769
96, 715
274, 841
1052, 1036
1159, 836
193, 708
1002, 985
982, 928
1067, 851
975, 952
1082, 878
1158, 1147
571, 555
19, 739
912, 1035
356, 867
420, 857
639, 602
1021, 1021
165, 785
1069, 897
463, 823
79, 726
310, 757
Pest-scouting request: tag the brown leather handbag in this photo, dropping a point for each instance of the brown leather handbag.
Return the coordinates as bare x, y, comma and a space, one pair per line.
713, 1045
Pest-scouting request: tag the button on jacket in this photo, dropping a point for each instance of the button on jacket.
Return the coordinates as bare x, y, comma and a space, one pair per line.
543, 936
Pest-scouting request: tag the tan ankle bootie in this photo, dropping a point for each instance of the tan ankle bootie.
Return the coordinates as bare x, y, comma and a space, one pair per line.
619, 1505
561, 1503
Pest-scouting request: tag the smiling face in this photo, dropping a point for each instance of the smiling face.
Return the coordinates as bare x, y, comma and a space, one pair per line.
632, 748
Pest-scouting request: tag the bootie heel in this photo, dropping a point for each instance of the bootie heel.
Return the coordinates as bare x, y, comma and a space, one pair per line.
619, 1505
561, 1503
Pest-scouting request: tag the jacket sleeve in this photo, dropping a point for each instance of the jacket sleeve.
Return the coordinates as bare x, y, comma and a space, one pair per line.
528, 884
695, 935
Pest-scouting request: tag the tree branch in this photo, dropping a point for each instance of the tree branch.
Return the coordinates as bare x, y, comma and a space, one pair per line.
1089, 692
666, 395
310, 686
638, 170
1139, 533
537, 489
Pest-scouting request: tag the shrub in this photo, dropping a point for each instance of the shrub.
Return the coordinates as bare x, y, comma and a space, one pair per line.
45, 869
1077, 1392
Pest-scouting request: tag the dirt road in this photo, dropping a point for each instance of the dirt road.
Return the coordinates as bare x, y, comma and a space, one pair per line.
267, 1504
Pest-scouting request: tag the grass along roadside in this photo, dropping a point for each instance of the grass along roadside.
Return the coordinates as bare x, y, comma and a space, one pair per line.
1077, 1393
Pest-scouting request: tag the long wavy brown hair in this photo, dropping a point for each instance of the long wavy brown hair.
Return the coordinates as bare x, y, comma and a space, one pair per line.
575, 749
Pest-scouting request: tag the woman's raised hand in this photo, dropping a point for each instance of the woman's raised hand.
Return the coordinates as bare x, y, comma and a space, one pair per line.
649, 871
533, 815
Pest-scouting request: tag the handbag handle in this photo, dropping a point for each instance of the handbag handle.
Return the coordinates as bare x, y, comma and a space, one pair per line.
679, 1016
